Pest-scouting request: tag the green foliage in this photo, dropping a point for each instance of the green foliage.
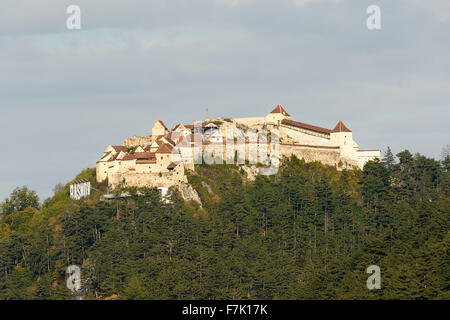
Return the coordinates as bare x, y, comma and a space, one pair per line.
389, 159
309, 232
19, 200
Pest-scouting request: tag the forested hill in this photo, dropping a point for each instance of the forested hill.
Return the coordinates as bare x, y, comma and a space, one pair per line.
310, 232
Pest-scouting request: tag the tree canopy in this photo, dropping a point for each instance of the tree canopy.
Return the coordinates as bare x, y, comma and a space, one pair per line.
19, 200
309, 232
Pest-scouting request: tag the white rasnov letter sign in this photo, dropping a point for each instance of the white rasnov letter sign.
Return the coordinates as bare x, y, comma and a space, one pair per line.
79, 191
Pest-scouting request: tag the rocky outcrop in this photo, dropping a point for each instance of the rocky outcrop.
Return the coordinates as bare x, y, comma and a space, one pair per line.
251, 171
204, 184
138, 141
189, 193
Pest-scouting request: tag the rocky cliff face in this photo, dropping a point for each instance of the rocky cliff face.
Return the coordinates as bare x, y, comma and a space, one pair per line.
188, 193
251, 171
138, 141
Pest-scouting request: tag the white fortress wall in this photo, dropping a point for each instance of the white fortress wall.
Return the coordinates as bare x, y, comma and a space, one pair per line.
160, 179
302, 136
326, 155
364, 156
102, 171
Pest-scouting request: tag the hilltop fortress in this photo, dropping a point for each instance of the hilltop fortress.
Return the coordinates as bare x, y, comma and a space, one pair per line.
160, 160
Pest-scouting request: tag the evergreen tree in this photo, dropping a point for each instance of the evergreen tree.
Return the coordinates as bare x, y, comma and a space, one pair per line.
309, 232
389, 158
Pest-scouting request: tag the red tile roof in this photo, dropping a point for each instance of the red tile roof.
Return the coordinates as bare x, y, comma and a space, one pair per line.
190, 139
165, 148
120, 148
144, 155
280, 109
340, 127
309, 146
128, 157
145, 161
172, 165
170, 141
305, 126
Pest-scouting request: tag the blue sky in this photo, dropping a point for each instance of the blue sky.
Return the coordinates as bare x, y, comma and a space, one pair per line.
65, 95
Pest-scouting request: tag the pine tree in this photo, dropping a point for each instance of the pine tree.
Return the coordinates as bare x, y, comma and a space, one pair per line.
389, 158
